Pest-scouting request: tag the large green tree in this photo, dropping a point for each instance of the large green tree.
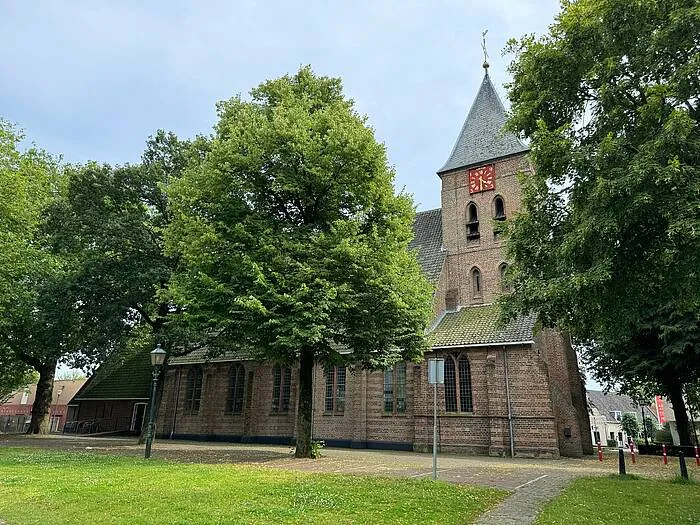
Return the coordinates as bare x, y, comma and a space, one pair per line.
293, 242
31, 320
608, 244
109, 221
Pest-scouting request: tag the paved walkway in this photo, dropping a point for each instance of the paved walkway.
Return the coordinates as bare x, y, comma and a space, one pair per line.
533, 482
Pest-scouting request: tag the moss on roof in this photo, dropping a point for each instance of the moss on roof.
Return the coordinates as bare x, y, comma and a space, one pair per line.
119, 377
478, 325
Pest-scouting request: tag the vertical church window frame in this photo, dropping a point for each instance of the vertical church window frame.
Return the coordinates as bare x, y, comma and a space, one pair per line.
476, 282
395, 389
459, 396
193, 390
336, 383
281, 389
236, 389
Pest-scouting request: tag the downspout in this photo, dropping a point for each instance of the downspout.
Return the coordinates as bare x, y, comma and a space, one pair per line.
510, 412
177, 400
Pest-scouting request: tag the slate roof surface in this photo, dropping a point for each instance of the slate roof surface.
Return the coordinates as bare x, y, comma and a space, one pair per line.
427, 238
119, 378
482, 138
611, 402
478, 325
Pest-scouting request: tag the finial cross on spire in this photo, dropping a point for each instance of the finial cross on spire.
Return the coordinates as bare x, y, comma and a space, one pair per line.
483, 47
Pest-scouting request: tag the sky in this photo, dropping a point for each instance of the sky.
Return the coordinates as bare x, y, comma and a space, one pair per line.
92, 80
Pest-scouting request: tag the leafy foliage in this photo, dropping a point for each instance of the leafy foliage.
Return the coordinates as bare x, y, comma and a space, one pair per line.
630, 424
292, 240
608, 246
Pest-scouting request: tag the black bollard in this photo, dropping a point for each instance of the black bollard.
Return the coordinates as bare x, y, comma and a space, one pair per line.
622, 462
684, 469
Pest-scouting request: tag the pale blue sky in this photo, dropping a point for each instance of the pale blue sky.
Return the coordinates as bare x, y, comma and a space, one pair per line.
91, 80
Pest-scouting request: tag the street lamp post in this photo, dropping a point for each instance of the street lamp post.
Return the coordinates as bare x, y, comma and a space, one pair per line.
157, 360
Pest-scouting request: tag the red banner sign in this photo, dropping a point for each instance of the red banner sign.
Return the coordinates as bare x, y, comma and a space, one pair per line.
660, 410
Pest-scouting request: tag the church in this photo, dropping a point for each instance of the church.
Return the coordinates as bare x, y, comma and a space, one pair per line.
513, 390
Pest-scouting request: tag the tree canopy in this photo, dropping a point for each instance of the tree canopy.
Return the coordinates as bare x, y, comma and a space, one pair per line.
608, 244
293, 244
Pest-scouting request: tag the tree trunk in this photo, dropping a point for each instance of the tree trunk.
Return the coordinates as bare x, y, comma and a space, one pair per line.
306, 370
42, 400
675, 393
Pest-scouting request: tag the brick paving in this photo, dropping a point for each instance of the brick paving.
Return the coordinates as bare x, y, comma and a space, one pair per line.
533, 482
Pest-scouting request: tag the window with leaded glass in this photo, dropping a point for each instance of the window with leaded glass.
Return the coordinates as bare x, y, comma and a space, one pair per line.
450, 385
465, 385
395, 389
193, 390
236, 389
281, 388
458, 385
335, 389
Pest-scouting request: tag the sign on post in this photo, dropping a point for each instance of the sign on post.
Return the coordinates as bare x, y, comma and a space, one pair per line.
436, 371
436, 376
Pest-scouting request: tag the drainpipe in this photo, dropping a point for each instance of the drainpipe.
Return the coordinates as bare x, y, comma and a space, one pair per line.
177, 400
510, 412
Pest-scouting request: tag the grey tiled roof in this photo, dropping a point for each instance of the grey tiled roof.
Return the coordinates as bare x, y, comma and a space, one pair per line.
478, 325
611, 402
427, 238
482, 138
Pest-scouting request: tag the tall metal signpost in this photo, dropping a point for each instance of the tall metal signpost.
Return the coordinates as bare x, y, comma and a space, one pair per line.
436, 375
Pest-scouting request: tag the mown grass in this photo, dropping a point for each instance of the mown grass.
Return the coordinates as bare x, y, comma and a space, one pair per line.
623, 501
38, 487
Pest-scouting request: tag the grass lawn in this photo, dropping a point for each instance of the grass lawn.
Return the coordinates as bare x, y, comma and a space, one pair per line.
38, 486
624, 501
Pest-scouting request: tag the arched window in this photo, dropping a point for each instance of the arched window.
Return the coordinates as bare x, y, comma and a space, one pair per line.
193, 390
465, 385
236, 388
477, 285
502, 270
472, 222
499, 209
458, 385
281, 388
450, 385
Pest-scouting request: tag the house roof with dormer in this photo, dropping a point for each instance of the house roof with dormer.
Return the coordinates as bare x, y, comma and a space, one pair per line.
482, 137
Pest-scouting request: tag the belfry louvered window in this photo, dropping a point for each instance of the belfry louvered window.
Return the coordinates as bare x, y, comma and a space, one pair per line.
472, 222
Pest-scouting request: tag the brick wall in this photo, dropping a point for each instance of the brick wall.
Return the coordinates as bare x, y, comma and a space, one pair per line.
488, 252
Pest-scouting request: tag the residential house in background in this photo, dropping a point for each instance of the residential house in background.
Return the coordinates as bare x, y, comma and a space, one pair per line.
605, 413
16, 412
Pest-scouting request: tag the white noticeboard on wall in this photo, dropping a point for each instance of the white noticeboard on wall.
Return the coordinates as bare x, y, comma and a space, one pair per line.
436, 371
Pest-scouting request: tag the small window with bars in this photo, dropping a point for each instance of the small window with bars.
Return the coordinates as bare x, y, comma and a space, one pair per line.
193, 390
395, 389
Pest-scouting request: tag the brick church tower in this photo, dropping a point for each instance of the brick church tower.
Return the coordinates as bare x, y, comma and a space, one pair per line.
479, 191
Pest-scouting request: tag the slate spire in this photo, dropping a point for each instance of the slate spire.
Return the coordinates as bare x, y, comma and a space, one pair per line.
482, 137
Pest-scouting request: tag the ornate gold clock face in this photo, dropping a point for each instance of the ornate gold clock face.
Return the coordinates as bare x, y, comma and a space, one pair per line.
482, 178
